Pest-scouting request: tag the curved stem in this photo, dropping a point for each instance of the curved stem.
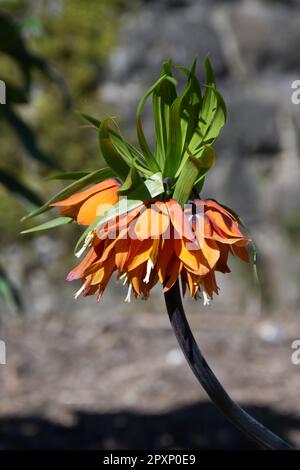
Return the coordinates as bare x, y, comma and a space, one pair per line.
242, 420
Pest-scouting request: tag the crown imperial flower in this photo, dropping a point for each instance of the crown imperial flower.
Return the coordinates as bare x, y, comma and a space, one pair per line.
144, 215
146, 221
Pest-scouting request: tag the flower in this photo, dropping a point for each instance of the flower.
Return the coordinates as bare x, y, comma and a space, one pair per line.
166, 234
160, 242
90, 203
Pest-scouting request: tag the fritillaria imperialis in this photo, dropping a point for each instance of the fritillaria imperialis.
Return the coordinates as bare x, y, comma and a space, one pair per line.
144, 214
146, 222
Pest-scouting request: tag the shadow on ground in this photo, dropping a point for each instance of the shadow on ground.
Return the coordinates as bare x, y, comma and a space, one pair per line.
199, 426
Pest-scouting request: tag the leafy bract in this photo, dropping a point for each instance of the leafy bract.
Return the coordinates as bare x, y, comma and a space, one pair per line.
50, 224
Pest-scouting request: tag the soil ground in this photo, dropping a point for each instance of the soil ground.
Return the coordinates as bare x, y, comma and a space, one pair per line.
118, 381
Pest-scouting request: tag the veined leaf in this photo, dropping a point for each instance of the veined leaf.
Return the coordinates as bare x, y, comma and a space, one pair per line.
50, 224
94, 177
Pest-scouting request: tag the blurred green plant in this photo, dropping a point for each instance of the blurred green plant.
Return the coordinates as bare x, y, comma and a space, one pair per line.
13, 46
76, 41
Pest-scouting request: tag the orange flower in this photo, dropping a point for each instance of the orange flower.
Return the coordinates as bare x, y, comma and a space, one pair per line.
90, 203
158, 241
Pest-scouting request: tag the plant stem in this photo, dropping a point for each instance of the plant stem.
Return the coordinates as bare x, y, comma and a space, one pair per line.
242, 420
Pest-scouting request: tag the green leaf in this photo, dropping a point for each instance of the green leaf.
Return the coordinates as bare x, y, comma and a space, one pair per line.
71, 175
132, 181
212, 117
207, 162
184, 117
193, 171
163, 96
152, 163
131, 155
94, 177
113, 158
50, 224
95, 122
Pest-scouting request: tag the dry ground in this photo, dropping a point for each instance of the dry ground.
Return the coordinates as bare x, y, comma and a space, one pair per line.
117, 380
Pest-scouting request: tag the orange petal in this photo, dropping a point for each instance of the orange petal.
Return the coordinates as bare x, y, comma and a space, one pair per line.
165, 254
209, 284
172, 274
83, 195
190, 258
241, 252
122, 252
179, 220
224, 224
211, 251
139, 253
97, 205
222, 262
79, 270
151, 223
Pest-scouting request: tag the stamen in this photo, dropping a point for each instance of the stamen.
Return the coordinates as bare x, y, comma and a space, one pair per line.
79, 291
89, 238
123, 276
206, 298
128, 296
149, 268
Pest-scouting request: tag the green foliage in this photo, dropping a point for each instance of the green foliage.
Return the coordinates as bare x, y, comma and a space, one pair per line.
186, 127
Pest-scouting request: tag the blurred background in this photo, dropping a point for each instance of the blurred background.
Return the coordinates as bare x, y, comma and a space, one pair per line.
109, 375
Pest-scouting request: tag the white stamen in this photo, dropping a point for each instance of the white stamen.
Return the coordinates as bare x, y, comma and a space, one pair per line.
124, 276
79, 292
87, 242
149, 268
128, 296
206, 298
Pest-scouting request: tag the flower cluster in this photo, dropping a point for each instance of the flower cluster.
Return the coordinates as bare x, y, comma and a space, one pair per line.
166, 231
156, 241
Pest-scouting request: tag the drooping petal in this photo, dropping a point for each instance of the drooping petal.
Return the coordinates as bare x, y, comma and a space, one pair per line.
88, 260
190, 258
96, 205
83, 195
211, 252
241, 252
151, 223
165, 255
172, 273
179, 220
139, 253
